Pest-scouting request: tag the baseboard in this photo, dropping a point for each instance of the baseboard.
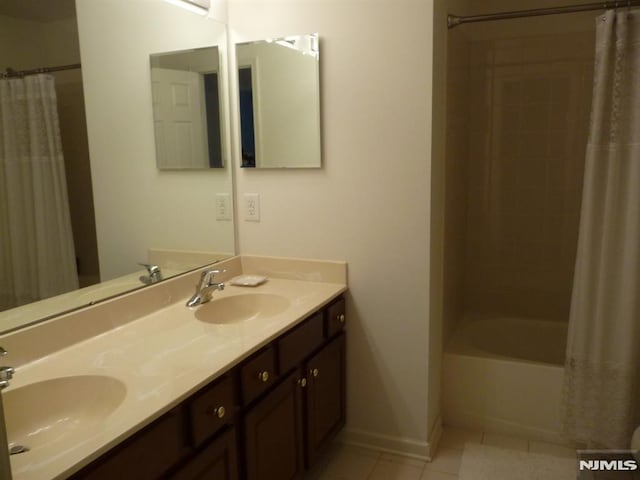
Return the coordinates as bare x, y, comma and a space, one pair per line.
434, 437
407, 447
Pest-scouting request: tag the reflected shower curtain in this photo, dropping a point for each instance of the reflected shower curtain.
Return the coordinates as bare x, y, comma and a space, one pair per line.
37, 258
601, 404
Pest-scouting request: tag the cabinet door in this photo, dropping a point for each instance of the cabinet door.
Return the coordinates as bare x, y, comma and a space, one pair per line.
273, 434
216, 462
326, 399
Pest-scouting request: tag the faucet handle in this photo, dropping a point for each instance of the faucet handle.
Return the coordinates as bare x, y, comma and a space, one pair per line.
150, 267
3, 352
207, 276
6, 373
214, 271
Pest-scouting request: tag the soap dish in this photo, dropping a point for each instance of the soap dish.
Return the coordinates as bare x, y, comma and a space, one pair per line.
248, 280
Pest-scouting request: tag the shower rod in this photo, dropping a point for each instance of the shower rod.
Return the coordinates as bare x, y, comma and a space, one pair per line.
455, 20
11, 73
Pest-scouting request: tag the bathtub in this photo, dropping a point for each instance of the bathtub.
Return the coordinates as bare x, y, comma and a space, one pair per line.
504, 375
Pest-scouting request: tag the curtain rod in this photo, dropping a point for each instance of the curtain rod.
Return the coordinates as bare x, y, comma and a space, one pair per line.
455, 20
11, 73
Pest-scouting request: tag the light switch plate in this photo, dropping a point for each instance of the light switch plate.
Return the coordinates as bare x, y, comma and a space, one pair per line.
251, 207
223, 206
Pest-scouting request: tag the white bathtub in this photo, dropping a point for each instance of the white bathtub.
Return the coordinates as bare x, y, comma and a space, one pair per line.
505, 375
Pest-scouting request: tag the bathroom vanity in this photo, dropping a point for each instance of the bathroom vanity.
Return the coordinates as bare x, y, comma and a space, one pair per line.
268, 417
250, 385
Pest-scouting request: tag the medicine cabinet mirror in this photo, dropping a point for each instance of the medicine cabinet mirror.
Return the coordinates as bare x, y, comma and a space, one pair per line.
279, 102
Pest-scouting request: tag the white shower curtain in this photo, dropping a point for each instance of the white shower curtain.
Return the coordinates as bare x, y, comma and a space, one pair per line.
37, 257
601, 404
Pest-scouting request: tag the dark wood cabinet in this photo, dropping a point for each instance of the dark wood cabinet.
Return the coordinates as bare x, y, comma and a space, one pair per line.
286, 430
273, 434
217, 461
146, 455
297, 344
268, 418
325, 397
211, 409
258, 374
335, 318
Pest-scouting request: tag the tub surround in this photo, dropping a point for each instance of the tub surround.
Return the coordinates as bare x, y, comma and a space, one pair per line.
157, 348
504, 375
503, 337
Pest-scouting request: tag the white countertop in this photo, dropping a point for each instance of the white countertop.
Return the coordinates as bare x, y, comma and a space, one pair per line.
161, 358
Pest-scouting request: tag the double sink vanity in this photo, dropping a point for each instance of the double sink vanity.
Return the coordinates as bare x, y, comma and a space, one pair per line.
249, 385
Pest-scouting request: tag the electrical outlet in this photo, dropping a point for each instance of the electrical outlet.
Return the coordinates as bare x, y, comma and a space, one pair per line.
223, 206
251, 207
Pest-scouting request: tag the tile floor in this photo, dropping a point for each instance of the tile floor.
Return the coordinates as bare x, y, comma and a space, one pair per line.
344, 462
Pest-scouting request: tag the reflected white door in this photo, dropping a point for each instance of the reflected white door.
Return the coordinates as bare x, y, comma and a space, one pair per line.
179, 119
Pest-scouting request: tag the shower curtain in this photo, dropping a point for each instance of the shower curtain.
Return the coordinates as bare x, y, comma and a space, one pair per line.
601, 404
37, 257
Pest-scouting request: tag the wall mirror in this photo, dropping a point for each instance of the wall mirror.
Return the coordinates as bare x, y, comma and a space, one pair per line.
279, 102
185, 89
123, 210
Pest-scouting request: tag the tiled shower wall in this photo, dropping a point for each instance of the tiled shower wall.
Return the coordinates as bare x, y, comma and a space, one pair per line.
528, 112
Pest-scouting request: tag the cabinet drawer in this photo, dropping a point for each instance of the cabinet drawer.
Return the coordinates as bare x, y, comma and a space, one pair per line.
258, 374
296, 345
211, 409
145, 456
335, 318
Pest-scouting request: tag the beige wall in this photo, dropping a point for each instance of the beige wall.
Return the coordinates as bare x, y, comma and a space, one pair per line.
137, 206
369, 204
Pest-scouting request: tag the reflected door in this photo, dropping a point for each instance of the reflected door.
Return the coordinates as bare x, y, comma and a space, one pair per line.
179, 119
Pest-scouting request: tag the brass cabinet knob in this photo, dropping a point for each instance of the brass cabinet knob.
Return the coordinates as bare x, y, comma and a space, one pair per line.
341, 318
217, 411
302, 382
263, 376
315, 372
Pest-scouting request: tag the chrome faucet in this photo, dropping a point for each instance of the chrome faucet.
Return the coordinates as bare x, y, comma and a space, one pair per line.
6, 373
5, 464
205, 288
155, 275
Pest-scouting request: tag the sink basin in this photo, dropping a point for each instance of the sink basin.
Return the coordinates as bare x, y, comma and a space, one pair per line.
46, 411
238, 308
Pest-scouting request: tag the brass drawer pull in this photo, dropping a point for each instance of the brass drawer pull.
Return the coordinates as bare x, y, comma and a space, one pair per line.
302, 382
216, 411
315, 372
341, 318
263, 376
